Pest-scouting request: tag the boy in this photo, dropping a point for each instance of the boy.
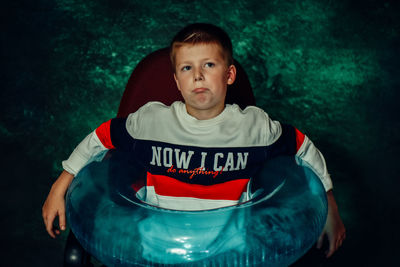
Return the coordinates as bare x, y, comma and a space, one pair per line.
199, 154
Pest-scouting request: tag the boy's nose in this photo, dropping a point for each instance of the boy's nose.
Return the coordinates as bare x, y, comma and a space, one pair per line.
198, 76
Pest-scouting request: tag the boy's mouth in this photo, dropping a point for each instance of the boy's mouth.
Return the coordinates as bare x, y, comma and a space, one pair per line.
199, 90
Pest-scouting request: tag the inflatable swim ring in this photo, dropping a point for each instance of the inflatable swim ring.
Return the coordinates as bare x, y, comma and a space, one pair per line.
276, 227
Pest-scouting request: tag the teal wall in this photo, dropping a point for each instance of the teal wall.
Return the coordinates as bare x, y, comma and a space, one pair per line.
329, 67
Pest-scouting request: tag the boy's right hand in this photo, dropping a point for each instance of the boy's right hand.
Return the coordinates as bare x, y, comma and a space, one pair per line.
55, 204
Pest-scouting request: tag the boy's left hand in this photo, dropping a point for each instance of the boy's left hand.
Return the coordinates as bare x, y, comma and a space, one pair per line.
334, 229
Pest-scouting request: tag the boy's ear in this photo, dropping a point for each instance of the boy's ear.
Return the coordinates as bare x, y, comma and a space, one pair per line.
231, 74
176, 81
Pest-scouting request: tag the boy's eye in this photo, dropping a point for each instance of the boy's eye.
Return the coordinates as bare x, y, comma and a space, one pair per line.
186, 68
209, 65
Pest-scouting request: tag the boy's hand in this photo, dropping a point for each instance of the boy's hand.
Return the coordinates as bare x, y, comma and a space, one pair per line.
334, 228
55, 204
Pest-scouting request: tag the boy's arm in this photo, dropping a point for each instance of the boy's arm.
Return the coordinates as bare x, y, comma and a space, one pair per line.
90, 146
55, 204
97, 141
292, 141
311, 157
334, 229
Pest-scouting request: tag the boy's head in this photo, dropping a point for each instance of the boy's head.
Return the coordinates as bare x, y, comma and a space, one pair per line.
201, 55
202, 33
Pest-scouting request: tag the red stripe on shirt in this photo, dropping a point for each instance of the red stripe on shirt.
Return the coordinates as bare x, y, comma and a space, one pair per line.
104, 134
299, 139
167, 186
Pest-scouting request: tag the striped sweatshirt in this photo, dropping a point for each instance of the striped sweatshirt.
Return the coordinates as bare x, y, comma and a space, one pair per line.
198, 164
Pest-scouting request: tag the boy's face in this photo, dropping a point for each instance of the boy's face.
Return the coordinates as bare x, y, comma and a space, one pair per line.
202, 76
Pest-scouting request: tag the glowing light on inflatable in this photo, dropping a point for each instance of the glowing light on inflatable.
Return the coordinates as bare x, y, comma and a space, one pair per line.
276, 227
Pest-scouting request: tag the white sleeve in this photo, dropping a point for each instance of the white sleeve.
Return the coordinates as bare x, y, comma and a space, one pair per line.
89, 147
311, 157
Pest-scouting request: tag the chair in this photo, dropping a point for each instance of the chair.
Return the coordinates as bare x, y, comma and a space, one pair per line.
152, 80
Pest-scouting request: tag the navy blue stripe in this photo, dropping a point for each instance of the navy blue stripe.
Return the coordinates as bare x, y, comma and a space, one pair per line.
144, 150
120, 137
141, 151
286, 143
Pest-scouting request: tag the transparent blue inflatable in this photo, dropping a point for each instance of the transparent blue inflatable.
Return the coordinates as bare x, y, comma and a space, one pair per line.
276, 227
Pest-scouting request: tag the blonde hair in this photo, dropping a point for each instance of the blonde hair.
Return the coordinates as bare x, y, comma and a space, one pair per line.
202, 33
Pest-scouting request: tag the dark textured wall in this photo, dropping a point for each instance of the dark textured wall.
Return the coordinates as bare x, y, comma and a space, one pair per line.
329, 67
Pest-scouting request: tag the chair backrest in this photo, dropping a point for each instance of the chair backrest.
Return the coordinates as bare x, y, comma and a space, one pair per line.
152, 80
